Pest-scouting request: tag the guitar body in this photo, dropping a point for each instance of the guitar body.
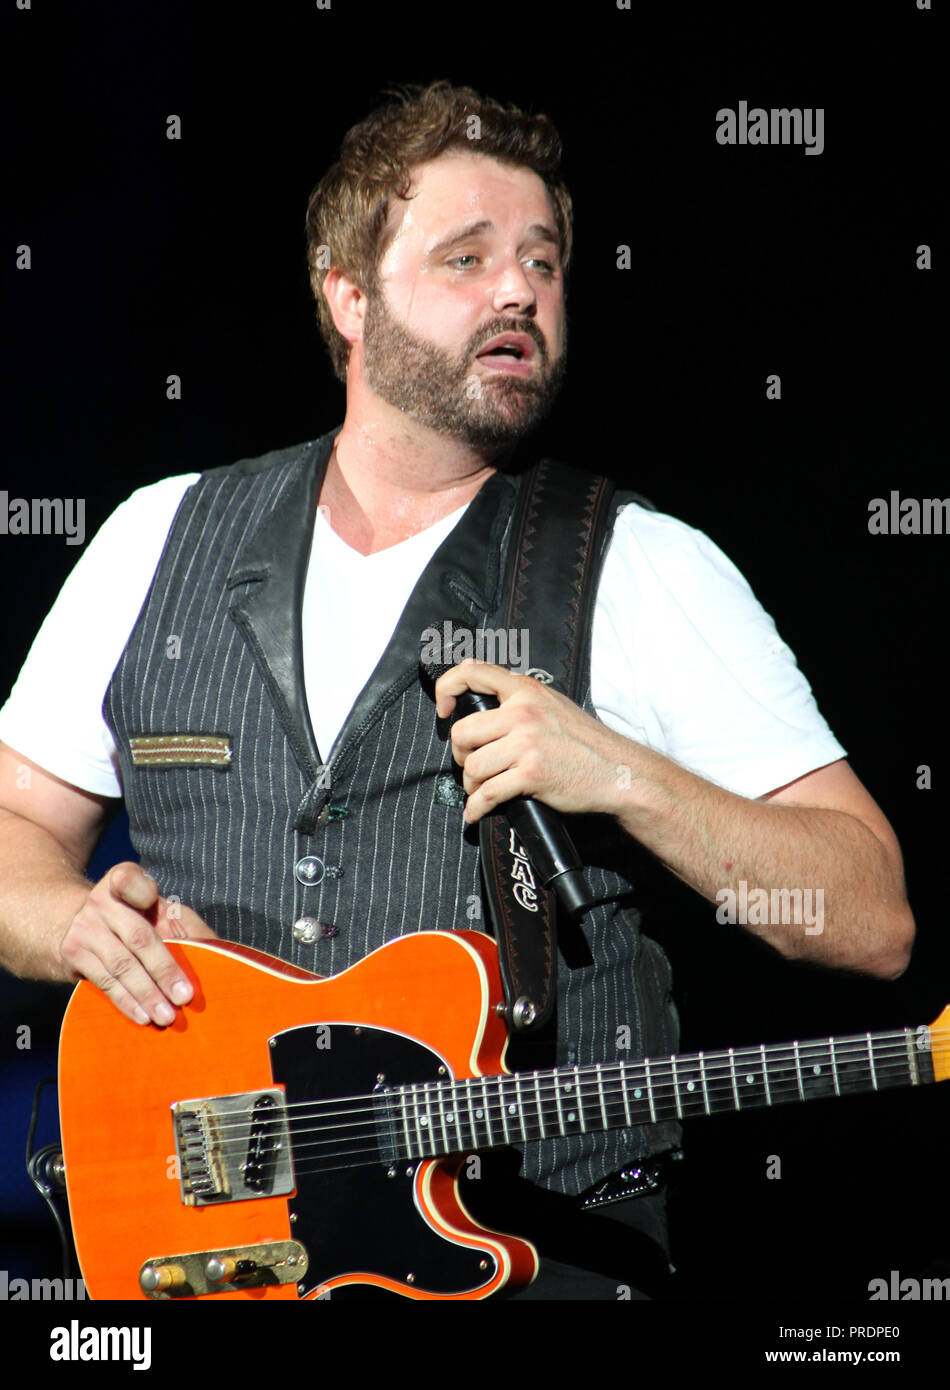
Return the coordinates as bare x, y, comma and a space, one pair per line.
420, 1009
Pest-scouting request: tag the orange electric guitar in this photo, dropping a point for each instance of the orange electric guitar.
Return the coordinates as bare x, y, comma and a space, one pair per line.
290, 1135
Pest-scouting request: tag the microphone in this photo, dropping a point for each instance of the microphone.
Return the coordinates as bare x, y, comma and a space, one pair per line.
540, 829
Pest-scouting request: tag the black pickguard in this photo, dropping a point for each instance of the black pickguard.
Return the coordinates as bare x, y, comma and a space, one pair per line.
359, 1218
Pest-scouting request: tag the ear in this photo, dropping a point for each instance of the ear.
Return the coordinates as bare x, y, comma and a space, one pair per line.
347, 303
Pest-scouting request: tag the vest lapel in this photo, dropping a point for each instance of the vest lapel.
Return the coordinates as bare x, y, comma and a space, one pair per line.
274, 565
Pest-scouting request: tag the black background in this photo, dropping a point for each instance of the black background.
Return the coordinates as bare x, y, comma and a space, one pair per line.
152, 257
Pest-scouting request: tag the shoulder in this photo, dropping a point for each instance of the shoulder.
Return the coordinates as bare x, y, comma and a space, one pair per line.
673, 553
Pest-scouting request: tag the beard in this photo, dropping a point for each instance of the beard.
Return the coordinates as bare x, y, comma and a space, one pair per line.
445, 393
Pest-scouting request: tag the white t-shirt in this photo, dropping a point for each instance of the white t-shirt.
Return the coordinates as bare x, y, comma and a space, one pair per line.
684, 658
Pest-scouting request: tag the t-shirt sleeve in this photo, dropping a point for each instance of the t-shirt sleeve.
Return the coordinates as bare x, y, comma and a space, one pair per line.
54, 713
687, 661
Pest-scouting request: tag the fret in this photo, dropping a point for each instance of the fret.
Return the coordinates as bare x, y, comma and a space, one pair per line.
471, 1115
702, 1073
404, 1098
486, 1112
520, 1103
600, 1092
567, 1107
503, 1109
817, 1073
613, 1095
691, 1094
637, 1072
891, 1066
574, 1089
749, 1076
798, 1072
834, 1067
871, 1061
646, 1072
509, 1099
783, 1075
457, 1110
444, 1121
539, 1104
623, 1071
676, 1089
911, 1057
549, 1103
765, 1076
422, 1124
732, 1077
719, 1083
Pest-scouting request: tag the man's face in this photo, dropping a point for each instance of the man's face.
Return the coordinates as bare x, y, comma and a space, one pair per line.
474, 257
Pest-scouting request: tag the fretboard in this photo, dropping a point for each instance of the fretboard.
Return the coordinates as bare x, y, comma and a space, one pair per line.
440, 1118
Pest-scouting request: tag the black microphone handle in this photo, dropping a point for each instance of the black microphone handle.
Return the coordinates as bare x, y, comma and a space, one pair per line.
539, 828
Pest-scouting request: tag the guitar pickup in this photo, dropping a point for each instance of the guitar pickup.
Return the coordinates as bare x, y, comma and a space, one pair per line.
233, 1148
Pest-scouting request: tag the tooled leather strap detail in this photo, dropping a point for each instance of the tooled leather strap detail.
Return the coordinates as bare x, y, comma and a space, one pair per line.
557, 539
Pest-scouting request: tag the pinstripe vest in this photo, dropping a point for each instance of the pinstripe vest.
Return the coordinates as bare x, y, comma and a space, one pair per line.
253, 828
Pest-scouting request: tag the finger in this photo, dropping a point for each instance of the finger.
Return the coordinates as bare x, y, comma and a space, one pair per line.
90, 968
475, 730
492, 793
96, 951
485, 763
129, 883
480, 676
132, 952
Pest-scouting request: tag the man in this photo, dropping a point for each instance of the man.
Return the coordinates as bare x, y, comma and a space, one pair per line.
254, 694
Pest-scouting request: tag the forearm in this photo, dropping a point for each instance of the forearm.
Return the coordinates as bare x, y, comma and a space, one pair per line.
41, 890
816, 884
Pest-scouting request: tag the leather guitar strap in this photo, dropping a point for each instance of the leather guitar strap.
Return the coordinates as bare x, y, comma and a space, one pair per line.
560, 531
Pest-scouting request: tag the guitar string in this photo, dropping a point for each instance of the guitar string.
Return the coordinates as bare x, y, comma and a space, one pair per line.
492, 1123
460, 1094
716, 1068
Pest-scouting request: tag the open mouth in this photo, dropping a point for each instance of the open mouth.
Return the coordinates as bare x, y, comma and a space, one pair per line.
509, 352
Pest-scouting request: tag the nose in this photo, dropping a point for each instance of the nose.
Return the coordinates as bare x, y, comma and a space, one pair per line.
513, 290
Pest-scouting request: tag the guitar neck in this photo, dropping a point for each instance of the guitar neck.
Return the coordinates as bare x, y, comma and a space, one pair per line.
484, 1112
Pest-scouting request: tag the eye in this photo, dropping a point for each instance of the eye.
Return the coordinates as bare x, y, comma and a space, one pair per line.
466, 256
545, 266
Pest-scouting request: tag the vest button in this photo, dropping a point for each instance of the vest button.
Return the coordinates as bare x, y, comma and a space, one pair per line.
309, 870
308, 930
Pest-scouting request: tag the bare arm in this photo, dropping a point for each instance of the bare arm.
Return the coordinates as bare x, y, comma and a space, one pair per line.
823, 832
57, 925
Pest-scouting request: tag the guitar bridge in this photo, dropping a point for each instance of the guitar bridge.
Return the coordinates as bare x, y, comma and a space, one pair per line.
233, 1148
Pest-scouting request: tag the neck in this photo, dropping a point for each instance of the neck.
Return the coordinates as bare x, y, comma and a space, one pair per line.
389, 478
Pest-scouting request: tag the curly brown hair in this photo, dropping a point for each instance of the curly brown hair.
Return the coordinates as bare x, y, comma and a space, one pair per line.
348, 209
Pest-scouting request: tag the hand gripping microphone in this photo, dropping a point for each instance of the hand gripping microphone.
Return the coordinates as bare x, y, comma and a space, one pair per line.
539, 828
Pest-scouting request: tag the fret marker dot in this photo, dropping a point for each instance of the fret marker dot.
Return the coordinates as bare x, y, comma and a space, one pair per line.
816, 1071
572, 1116
567, 1086
450, 1118
691, 1085
512, 1110
479, 1114
750, 1078
424, 1119
637, 1093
